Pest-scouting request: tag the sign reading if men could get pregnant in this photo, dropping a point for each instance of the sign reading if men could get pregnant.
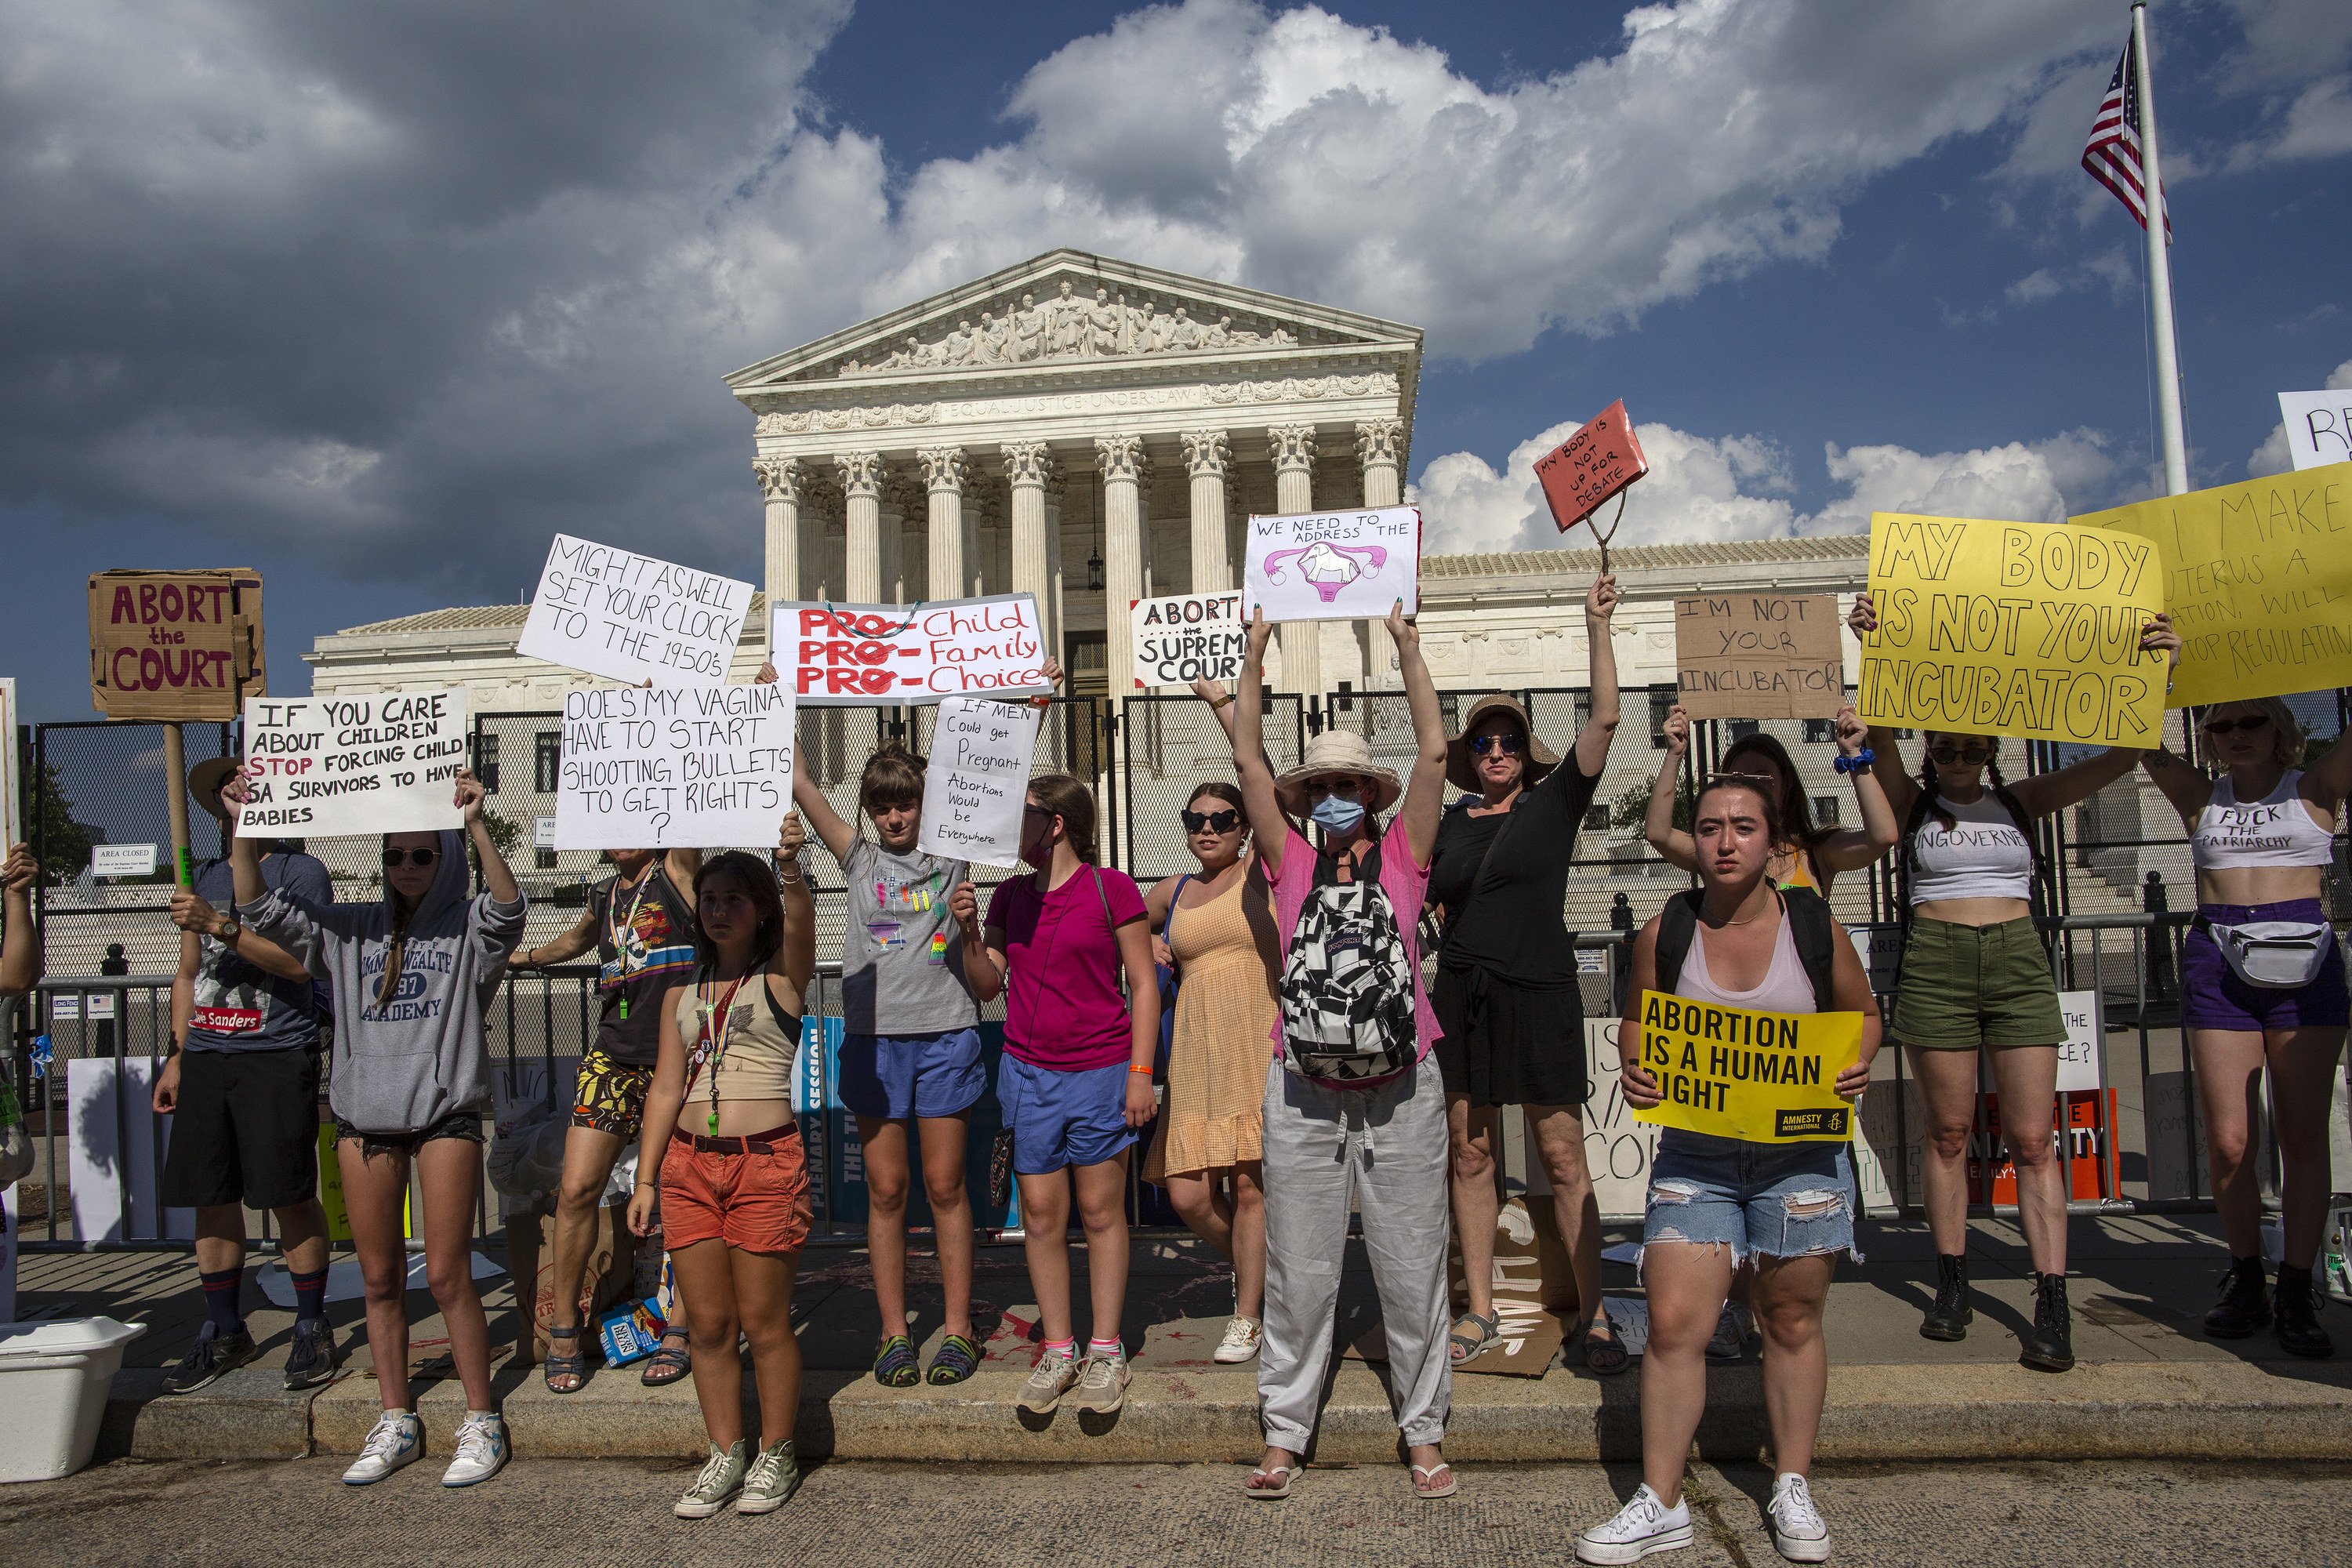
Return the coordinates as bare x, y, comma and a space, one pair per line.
1332, 565
866, 655
631, 617
329, 766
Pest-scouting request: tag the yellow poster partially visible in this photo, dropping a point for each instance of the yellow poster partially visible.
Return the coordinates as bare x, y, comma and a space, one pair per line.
2014, 629
2258, 579
1761, 1078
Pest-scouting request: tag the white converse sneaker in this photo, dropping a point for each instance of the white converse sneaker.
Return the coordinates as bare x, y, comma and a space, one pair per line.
1049, 1380
397, 1439
1240, 1341
481, 1450
1642, 1526
1798, 1532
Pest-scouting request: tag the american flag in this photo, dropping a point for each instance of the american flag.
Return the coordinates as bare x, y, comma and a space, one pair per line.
2112, 155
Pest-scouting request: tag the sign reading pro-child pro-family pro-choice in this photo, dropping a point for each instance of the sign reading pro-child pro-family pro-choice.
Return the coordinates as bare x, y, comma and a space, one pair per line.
668, 767
322, 767
1761, 1078
1332, 565
632, 617
862, 656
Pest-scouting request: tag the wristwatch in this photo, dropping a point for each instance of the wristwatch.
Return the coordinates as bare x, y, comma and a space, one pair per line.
228, 929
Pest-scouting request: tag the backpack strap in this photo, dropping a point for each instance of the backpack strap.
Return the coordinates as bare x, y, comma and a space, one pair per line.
1811, 927
1676, 922
1116, 961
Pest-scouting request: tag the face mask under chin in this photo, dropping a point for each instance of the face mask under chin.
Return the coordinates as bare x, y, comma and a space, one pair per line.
1337, 812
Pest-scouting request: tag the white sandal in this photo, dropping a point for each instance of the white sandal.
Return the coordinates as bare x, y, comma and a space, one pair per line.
1288, 1473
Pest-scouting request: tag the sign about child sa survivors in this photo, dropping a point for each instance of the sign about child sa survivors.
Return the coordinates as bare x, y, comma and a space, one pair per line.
977, 781
1761, 1078
667, 767
1189, 638
1759, 656
2014, 629
2258, 579
862, 656
1332, 565
632, 617
331, 766
174, 645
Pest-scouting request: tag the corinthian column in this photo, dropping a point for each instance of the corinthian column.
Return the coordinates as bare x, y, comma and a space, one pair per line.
905, 509
1057, 615
1025, 464
1206, 457
1126, 471
1380, 452
943, 473
780, 484
861, 490
1292, 449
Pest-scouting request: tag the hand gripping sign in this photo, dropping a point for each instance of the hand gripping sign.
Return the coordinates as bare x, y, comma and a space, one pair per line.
855, 655
1761, 1078
1601, 460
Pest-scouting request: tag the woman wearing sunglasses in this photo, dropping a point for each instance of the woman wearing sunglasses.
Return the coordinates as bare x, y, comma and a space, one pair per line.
1977, 977
1216, 930
1507, 994
2262, 835
408, 1085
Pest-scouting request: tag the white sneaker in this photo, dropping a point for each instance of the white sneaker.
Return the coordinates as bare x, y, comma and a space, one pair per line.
397, 1439
1798, 1532
1642, 1526
1049, 1380
1102, 1388
1240, 1342
481, 1451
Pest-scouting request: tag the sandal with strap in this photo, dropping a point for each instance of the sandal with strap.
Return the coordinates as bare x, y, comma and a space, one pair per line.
1423, 1474
573, 1366
1604, 1352
668, 1365
1270, 1494
1463, 1347
956, 1358
894, 1366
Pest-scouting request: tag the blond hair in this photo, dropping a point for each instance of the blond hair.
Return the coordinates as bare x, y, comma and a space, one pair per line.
2286, 730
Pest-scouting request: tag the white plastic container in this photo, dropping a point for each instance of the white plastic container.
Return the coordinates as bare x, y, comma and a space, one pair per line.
54, 1379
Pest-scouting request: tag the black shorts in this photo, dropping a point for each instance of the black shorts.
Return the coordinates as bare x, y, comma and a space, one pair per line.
1502, 1044
466, 1124
244, 1129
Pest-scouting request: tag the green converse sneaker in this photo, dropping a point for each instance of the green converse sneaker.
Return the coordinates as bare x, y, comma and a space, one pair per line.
721, 1478
772, 1478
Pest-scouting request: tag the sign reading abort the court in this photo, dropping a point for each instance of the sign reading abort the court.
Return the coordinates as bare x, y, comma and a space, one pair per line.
1189, 638
383, 762
864, 656
174, 645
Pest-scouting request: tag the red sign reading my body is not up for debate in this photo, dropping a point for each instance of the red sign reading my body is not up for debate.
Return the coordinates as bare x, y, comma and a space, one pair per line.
907, 655
1590, 465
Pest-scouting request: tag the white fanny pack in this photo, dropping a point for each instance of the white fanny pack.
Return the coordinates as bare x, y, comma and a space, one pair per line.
2274, 956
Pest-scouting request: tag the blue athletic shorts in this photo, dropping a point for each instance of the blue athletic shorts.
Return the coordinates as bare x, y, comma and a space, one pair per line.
893, 1077
1061, 1119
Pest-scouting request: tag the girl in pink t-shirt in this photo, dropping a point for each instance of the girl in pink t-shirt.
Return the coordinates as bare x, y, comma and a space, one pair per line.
1076, 1079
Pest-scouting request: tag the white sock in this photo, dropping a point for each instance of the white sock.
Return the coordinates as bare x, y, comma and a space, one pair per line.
1113, 1348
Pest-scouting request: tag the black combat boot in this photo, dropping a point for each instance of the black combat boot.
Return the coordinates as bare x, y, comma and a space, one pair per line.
2297, 1305
1949, 1318
2245, 1305
2050, 1344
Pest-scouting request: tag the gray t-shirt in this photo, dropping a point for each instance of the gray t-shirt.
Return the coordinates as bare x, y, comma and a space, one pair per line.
902, 963
239, 1006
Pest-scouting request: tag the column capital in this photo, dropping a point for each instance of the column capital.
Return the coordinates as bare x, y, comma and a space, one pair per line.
861, 474
780, 478
1380, 441
1206, 452
902, 490
1026, 462
1056, 475
1122, 457
1291, 448
945, 469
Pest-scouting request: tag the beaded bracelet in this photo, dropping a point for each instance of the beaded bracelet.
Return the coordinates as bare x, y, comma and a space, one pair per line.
1856, 762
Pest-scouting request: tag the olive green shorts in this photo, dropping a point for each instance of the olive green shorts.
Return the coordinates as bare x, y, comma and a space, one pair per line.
1965, 986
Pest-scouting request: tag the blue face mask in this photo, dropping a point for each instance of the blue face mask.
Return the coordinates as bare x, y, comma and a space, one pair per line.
1337, 812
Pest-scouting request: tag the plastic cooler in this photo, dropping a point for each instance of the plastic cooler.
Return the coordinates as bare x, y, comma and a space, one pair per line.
54, 1379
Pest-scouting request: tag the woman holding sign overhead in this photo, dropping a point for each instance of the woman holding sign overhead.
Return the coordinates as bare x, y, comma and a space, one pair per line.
1813, 857
1977, 977
1784, 1205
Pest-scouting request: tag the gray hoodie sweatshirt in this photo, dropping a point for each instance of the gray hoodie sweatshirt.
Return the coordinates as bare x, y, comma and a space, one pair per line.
400, 1066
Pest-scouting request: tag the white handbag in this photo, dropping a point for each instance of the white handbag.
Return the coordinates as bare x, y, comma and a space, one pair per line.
2274, 956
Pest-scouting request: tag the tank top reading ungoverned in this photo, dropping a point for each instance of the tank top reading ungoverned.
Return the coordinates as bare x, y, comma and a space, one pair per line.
2276, 830
760, 1041
1982, 856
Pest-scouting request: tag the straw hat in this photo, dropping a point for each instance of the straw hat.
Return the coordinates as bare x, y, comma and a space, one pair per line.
204, 780
1460, 769
1337, 751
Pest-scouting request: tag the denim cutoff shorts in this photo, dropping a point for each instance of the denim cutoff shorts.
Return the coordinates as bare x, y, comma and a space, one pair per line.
1782, 1200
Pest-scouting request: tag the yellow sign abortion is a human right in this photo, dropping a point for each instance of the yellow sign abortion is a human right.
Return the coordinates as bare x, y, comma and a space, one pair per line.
2014, 629
1761, 1078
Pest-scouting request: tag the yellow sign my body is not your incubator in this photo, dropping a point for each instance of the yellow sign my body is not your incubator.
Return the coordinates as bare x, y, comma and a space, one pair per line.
1761, 1078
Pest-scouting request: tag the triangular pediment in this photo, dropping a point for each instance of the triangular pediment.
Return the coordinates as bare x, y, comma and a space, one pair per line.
1069, 307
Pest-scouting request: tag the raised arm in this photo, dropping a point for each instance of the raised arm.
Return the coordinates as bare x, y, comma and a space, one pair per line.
1601, 665
1676, 847
1852, 848
797, 957
498, 877
837, 834
2181, 783
2045, 794
1425, 792
1269, 826
563, 948
2326, 782
1220, 701
20, 961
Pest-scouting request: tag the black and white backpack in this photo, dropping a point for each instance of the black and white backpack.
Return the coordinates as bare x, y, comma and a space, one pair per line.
1347, 984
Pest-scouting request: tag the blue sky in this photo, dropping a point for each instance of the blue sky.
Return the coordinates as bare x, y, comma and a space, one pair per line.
376, 303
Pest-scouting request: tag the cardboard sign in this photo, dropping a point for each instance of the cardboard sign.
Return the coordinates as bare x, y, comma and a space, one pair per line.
1761, 1078
1333, 565
1619, 1149
2318, 426
862, 656
331, 766
122, 861
633, 617
978, 779
2014, 629
2078, 1059
1759, 656
2259, 581
1189, 638
669, 767
1590, 466
175, 645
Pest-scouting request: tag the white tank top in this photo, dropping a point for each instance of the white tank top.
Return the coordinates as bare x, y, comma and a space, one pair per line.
2276, 830
1787, 988
1983, 856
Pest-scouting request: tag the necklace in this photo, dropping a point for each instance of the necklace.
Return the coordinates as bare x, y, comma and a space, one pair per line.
715, 1024
628, 924
1751, 920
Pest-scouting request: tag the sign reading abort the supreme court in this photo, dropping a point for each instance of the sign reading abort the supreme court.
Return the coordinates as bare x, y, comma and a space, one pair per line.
1188, 637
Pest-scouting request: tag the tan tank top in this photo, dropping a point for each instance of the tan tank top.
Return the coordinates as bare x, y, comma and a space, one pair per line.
747, 1054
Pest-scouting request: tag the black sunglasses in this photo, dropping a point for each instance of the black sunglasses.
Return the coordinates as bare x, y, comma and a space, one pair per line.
1028, 809
2223, 726
1210, 821
1945, 751
394, 858
1482, 744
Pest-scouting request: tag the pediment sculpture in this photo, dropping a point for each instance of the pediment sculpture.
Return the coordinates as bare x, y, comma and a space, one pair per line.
1068, 326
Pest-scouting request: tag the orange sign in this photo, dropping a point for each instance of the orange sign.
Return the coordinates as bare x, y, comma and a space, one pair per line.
2088, 1149
175, 645
1590, 465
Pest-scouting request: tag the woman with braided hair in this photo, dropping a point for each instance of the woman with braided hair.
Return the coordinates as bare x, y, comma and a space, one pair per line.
1977, 977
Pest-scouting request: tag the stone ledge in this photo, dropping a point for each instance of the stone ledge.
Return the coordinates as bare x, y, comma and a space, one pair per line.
248, 1414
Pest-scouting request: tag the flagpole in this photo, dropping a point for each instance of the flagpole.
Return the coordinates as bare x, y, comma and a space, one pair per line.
2159, 270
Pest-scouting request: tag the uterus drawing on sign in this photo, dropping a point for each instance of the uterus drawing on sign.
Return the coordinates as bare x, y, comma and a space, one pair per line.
1330, 567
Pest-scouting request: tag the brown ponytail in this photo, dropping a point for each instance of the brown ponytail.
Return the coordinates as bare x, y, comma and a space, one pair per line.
1069, 799
396, 944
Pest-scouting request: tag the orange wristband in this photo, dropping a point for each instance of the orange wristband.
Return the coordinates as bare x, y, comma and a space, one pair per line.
1132, 1067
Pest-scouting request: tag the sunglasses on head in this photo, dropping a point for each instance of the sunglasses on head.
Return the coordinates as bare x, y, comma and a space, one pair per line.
1949, 752
1210, 821
2223, 726
1508, 743
394, 858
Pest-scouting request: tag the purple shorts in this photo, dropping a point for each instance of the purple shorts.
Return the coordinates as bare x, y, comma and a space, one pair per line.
2215, 998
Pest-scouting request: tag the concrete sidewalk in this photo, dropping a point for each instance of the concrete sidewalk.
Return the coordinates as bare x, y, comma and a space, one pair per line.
2147, 1385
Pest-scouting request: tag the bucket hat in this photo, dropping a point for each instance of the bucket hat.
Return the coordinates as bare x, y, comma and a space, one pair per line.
1461, 770
1337, 751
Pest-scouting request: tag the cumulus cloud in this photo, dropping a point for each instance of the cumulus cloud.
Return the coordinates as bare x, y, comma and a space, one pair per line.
2272, 456
2293, 57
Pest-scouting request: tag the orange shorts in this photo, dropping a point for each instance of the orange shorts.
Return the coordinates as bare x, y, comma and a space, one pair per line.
754, 1200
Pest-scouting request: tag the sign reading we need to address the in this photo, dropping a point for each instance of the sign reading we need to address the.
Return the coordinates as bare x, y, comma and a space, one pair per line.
864, 656
632, 617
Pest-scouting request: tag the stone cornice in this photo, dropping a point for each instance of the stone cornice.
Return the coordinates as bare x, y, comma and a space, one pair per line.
1250, 368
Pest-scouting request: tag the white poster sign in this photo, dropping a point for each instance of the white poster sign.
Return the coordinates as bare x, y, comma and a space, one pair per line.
122, 861
2318, 426
851, 656
977, 781
542, 833
674, 767
633, 617
1618, 1149
1334, 566
385, 763
117, 1154
2078, 1059
1189, 638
